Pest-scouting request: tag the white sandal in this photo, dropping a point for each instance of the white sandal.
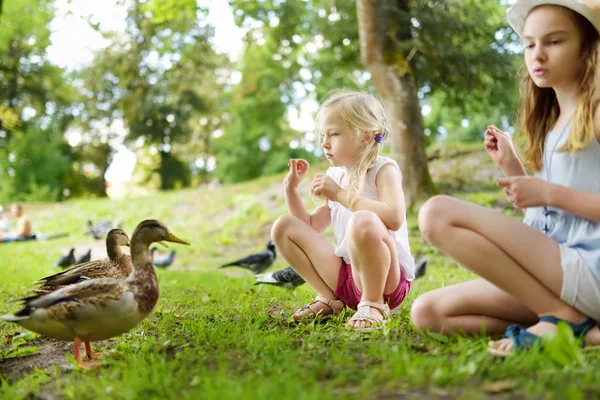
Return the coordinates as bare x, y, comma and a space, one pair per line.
363, 313
307, 312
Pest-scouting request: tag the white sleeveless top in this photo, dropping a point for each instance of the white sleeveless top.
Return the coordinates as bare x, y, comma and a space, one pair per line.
340, 216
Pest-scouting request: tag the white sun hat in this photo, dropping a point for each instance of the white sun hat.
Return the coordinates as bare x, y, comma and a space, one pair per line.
517, 14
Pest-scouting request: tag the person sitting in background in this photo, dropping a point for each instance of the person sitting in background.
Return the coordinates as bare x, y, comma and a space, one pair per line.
4, 224
23, 231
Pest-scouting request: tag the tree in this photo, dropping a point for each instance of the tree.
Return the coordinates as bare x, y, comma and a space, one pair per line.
454, 48
155, 78
35, 101
395, 83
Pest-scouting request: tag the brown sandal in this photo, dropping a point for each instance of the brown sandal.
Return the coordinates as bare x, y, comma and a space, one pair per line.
308, 311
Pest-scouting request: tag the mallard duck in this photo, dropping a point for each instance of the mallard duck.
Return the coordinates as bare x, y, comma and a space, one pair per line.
66, 260
99, 309
258, 262
118, 265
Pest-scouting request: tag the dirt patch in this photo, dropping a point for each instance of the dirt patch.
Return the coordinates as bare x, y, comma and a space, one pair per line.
50, 352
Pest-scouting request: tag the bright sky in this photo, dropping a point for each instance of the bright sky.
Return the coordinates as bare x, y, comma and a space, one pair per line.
74, 42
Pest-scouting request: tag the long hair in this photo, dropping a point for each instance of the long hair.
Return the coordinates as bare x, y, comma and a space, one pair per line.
363, 113
540, 110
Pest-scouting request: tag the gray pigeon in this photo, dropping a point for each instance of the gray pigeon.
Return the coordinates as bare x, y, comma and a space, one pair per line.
421, 267
258, 262
85, 257
162, 260
287, 278
101, 228
67, 260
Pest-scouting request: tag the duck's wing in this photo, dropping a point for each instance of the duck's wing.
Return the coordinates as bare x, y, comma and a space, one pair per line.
89, 269
62, 303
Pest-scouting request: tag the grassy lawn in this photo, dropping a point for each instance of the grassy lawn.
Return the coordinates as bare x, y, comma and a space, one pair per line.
213, 333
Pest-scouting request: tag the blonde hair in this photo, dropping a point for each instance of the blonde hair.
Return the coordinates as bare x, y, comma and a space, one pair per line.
363, 113
540, 108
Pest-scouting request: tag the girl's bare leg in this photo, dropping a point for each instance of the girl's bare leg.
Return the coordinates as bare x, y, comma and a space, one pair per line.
511, 255
374, 256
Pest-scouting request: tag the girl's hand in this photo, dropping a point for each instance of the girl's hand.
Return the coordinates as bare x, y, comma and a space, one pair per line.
297, 172
323, 185
499, 146
526, 191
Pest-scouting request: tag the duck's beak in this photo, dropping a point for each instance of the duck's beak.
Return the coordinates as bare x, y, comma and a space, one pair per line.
128, 244
173, 238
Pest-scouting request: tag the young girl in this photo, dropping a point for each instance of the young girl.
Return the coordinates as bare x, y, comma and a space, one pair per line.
371, 267
547, 268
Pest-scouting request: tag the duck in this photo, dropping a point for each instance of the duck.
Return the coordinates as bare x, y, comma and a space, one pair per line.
118, 265
66, 260
99, 309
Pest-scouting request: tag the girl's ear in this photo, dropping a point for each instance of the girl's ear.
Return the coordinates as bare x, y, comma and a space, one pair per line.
368, 137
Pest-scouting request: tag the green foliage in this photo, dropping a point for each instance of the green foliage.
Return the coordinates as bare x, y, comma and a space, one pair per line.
257, 113
161, 79
32, 166
457, 51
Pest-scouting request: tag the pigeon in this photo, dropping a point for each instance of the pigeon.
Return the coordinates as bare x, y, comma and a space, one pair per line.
421, 268
66, 260
258, 262
100, 228
85, 257
162, 260
287, 278
290, 279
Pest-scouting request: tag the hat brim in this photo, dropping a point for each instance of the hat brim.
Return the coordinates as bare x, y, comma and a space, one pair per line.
519, 11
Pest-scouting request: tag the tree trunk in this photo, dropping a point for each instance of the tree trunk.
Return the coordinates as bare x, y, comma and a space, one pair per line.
395, 83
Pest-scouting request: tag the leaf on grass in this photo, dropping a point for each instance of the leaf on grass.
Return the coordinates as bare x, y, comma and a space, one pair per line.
500, 386
438, 337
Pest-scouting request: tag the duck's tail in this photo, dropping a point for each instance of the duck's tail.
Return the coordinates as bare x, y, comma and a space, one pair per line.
13, 318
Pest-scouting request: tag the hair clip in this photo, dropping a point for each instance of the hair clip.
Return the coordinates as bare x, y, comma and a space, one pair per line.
379, 138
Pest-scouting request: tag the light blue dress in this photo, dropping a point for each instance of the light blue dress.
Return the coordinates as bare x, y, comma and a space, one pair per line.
578, 171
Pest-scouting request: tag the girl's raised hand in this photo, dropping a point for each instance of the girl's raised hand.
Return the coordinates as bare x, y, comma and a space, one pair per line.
297, 172
499, 146
323, 185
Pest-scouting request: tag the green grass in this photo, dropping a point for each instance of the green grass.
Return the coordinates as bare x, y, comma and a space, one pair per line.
213, 333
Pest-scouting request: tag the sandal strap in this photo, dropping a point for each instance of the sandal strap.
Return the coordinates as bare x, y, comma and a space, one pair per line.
335, 305
522, 339
579, 330
383, 307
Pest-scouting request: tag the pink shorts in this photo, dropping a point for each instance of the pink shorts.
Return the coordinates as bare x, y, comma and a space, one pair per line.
347, 291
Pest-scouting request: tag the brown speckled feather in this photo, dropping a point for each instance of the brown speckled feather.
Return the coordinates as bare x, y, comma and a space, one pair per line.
96, 294
119, 268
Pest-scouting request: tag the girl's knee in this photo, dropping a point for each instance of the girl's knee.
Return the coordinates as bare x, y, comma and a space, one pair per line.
364, 226
433, 216
281, 226
425, 314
